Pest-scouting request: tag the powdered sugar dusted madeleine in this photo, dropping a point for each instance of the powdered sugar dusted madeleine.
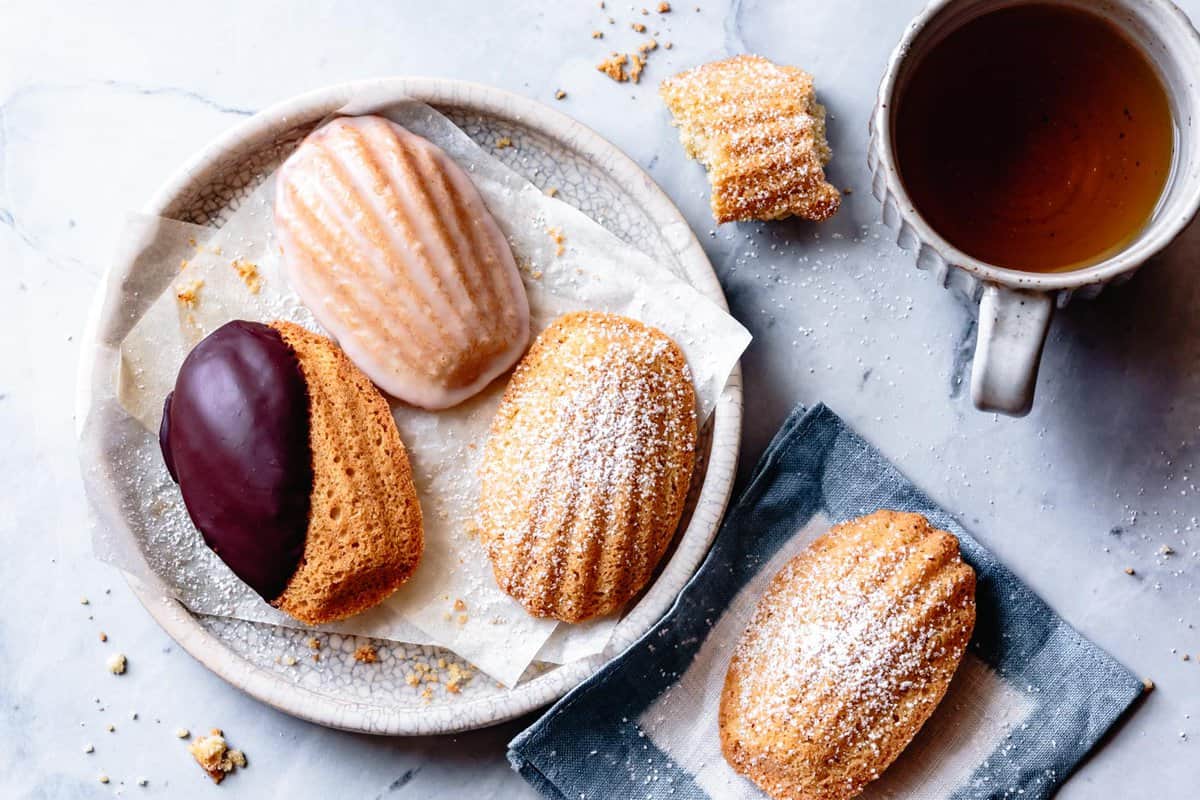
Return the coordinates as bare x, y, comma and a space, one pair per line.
587, 465
850, 650
389, 244
759, 131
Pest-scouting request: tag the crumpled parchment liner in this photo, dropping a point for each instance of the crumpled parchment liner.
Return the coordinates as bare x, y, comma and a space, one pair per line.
595, 271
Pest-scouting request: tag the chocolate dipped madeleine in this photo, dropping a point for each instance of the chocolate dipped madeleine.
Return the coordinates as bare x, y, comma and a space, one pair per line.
292, 468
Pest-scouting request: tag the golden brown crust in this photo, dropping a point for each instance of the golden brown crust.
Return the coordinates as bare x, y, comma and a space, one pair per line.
759, 130
364, 531
850, 650
587, 466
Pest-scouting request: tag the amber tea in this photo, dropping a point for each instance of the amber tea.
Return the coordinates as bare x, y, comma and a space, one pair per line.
1036, 137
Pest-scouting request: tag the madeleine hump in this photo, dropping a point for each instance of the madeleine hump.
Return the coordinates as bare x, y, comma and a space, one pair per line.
587, 465
850, 650
387, 241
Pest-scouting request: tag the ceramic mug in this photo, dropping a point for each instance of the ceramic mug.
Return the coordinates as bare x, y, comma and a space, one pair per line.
1015, 307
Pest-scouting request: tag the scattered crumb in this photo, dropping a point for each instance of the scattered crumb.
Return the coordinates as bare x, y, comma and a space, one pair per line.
503, 142
412, 679
639, 27
102, 778
89, 748
664, 8
314, 643
645, 12
189, 294
248, 272
647, 46
83, 601
191, 241
637, 63
1186, 657
1130, 571
559, 238
182, 733
213, 754
116, 663
289, 660
560, 94
103, 636
142, 781
848, 190
459, 605
552, 191
614, 67
1147, 685
462, 619
1167, 550
110, 728
183, 264
668, 46
366, 654
597, 34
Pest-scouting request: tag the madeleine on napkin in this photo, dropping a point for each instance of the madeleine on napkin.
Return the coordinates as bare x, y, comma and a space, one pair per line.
850, 650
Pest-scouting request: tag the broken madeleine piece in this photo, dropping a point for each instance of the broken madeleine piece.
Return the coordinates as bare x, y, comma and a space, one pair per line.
759, 131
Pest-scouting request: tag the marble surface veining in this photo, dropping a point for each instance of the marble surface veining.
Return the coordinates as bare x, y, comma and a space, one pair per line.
100, 101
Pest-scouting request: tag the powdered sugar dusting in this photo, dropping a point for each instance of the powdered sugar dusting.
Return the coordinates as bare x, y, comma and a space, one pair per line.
589, 456
851, 647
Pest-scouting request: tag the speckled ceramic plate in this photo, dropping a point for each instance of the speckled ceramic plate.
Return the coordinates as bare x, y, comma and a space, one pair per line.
591, 174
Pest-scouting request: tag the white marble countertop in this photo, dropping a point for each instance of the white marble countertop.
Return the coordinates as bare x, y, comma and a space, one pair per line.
100, 101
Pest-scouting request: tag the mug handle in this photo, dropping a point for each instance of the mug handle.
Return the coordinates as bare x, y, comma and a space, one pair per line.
1012, 332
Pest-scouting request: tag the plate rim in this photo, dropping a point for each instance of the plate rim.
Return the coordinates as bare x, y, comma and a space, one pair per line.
313, 706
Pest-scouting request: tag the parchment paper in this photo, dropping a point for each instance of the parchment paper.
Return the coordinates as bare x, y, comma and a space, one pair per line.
595, 270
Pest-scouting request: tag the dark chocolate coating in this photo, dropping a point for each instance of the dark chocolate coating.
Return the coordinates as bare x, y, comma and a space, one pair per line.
235, 437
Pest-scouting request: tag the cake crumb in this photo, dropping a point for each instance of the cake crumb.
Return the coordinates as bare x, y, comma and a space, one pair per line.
503, 142
552, 191
102, 778
116, 663
459, 605
647, 46
314, 643
214, 755
1130, 571
664, 8
614, 67
1147, 685
560, 95
597, 34
189, 294
248, 272
142, 781
182, 733
89, 748
639, 27
637, 63
289, 660
366, 654
103, 636
110, 728
667, 45
83, 601
412, 679
556, 235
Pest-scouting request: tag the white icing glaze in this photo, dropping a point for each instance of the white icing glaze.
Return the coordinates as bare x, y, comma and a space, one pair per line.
389, 244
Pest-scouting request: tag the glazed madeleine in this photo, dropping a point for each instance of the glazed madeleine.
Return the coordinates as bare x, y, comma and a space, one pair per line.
587, 465
849, 652
387, 241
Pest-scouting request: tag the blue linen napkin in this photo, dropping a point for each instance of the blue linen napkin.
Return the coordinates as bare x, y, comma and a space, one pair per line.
1030, 699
